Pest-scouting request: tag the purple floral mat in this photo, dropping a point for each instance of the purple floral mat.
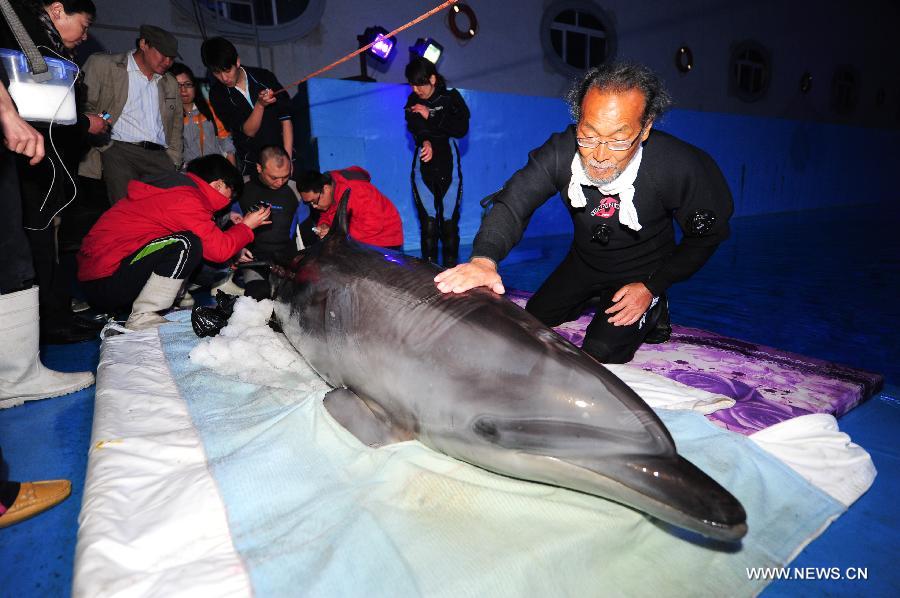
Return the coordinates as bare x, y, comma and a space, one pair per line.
769, 385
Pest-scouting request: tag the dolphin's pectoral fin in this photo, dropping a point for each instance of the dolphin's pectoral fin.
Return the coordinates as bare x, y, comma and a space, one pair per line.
370, 426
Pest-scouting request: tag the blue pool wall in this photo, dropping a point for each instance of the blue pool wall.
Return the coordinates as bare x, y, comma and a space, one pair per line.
772, 165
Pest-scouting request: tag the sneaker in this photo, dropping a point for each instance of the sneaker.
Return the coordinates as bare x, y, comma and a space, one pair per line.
663, 329
78, 305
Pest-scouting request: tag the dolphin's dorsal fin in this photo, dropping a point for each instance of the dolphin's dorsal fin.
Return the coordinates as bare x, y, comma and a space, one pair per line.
339, 225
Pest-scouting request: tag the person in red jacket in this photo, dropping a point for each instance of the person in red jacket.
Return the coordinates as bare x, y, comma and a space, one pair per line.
374, 220
142, 249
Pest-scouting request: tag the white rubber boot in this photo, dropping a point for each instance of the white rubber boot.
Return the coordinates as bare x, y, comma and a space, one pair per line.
22, 375
158, 294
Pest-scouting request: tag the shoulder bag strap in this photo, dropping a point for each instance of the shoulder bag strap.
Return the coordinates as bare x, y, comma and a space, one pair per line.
36, 62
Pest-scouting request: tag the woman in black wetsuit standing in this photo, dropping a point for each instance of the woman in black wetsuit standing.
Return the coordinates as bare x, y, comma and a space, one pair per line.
434, 114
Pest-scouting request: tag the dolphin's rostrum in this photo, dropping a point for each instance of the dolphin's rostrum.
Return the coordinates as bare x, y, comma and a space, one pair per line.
478, 378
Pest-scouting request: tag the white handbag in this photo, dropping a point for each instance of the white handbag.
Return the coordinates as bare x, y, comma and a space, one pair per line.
42, 88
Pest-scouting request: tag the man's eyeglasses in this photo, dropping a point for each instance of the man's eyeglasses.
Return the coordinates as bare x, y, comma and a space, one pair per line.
615, 145
187, 85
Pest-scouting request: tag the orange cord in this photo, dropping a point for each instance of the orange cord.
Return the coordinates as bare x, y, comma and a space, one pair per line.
419, 19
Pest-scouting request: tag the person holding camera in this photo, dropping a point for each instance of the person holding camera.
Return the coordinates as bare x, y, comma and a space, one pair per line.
271, 189
144, 247
244, 98
141, 98
373, 218
49, 206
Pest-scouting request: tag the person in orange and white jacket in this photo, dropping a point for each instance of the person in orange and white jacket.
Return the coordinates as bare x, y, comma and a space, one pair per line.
204, 133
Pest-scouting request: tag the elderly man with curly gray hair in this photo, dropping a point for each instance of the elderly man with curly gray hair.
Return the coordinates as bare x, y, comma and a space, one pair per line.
624, 184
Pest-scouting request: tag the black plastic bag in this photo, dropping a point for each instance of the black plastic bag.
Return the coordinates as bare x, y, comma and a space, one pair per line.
208, 321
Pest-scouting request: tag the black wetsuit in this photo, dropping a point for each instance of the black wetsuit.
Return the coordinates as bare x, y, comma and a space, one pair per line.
448, 117
675, 180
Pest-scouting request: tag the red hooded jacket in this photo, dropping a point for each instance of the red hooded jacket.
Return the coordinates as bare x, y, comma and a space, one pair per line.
373, 219
172, 203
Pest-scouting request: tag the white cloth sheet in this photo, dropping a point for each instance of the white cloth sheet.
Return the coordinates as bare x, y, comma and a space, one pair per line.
813, 446
153, 521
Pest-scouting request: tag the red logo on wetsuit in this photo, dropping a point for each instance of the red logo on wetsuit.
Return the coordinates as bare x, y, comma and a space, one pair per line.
607, 208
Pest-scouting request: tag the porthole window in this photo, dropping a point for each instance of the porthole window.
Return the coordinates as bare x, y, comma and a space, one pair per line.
750, 71
273, 21
576, 36
844, 92
266, 12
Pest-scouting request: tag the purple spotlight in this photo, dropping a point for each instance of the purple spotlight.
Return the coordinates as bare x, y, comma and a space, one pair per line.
382, 47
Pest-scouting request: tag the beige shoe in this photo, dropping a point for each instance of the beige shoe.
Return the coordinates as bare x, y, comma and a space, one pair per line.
34, 498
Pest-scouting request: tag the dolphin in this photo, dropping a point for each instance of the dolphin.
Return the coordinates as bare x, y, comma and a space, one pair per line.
478, 378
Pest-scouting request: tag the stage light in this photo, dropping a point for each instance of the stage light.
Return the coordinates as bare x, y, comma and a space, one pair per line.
428, 49
381, 50
383, 46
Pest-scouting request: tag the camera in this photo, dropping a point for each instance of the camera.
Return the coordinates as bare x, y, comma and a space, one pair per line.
259, 206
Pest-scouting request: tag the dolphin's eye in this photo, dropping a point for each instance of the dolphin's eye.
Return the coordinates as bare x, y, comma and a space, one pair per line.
487, 429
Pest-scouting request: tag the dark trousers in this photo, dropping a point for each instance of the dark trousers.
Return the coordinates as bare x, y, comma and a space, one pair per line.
41, 202
124, 162
9, 491
172, 256
16, 269
84, 211
570, 289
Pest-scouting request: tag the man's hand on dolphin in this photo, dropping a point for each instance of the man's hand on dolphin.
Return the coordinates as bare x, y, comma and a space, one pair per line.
480, 272
629, 304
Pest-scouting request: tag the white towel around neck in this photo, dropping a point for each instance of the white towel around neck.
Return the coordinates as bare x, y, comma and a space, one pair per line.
622, 185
